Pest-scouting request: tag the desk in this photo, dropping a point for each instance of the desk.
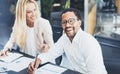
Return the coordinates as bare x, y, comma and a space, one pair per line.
50, 68
18, 65
24, 71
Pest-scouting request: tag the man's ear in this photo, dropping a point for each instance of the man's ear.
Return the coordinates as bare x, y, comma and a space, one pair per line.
80, 22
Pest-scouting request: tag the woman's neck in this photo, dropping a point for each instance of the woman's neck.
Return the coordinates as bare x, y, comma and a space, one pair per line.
29, 24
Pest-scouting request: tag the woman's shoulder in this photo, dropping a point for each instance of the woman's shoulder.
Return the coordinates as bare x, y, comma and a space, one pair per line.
42, 20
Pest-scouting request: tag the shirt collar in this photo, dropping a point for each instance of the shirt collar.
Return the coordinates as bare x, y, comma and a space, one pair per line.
77, 36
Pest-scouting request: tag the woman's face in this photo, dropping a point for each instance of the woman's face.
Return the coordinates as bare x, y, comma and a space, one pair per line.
30, 13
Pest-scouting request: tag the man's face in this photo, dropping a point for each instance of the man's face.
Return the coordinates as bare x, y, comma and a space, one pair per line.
70, 24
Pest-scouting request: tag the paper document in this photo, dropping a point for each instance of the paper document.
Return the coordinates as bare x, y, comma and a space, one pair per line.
19, 64
11, 57
50, 69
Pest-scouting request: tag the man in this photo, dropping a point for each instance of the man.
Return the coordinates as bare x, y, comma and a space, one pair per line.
81, 49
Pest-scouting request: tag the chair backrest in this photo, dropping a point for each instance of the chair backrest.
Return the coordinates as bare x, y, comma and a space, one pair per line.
110, 52
110, 47
57, 32
108, 40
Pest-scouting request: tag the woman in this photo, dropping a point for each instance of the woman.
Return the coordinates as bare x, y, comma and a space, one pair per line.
31, 33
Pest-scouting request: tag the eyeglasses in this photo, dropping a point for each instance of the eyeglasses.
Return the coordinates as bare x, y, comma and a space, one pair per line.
71, 21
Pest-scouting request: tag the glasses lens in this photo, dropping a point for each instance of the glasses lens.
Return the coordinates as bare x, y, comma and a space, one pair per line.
64, 22
71, 21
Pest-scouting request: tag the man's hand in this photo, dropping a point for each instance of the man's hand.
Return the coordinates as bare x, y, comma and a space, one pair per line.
33, 66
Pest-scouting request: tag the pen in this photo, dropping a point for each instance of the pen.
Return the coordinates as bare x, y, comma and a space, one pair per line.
35, 60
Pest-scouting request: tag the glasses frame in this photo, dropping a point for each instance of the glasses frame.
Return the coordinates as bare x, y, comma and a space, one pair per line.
71, 21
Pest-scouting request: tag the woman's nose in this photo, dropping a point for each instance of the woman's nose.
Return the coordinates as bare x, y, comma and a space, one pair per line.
33, 13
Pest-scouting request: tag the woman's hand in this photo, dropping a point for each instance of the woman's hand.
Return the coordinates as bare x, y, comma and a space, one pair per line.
4, 52
44, 47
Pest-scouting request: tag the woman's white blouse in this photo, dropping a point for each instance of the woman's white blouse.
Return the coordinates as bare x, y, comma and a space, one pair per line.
30, 42
41, 33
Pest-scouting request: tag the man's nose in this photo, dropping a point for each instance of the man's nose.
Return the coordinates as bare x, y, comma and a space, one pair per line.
67, 24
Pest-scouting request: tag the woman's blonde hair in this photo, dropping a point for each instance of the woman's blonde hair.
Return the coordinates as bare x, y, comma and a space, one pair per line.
21, 23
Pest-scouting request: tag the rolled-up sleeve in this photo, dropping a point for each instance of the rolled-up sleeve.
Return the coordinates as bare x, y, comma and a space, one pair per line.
54, 52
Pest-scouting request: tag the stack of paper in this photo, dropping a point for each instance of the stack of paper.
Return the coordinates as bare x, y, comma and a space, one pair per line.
19, 64
50, 69
11, 57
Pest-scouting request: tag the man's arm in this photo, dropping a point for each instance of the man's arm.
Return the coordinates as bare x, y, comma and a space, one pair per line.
52, 53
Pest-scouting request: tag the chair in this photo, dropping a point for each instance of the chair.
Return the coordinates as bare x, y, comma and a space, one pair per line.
57, 30
111, 53
111, 56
